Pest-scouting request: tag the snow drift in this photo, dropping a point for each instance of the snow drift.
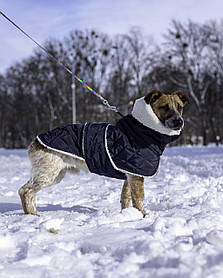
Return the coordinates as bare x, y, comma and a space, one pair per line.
82, 233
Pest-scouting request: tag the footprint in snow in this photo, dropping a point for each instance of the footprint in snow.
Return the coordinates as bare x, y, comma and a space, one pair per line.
215, 238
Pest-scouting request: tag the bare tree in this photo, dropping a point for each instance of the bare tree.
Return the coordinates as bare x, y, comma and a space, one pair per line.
35, 94
188, 49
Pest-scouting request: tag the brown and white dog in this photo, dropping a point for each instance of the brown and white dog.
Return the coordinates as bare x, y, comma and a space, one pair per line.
49, 166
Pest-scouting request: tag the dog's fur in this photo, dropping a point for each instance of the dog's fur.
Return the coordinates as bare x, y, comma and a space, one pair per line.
49, 167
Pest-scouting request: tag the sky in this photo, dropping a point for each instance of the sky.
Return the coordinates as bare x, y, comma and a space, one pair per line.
44, 19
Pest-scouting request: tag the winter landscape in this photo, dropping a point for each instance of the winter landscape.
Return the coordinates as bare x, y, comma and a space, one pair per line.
82, 232
122, 50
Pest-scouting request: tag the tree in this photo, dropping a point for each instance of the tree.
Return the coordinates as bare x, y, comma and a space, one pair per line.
188, 49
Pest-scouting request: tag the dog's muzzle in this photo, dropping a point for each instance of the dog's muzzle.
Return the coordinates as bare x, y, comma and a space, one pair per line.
175, 122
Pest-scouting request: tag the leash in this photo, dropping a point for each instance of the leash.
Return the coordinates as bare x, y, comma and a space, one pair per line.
100, 97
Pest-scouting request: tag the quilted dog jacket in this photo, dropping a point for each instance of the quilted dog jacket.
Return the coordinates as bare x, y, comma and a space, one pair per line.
129, 147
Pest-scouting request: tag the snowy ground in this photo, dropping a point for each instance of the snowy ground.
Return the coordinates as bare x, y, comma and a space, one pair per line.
82, 233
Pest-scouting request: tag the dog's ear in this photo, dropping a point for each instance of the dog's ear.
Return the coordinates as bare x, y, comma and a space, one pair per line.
183, 97
152, 96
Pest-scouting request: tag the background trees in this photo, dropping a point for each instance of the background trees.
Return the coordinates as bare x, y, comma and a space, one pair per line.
35, 94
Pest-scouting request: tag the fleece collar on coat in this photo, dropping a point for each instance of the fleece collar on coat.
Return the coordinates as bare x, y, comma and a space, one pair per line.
143, 112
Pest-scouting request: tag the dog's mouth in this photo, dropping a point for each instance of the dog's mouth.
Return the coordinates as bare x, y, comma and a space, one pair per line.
174, 123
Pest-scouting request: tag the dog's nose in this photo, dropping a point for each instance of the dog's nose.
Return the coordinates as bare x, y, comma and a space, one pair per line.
177, 122
174, 123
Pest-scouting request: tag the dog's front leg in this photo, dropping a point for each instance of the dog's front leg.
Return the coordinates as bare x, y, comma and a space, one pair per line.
137, 192
126, 195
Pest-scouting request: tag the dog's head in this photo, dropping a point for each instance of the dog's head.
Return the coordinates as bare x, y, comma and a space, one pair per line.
168, 108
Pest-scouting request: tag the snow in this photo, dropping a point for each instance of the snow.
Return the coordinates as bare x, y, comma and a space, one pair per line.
82, 232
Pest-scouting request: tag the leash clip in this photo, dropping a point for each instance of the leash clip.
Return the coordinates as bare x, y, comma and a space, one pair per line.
113, 108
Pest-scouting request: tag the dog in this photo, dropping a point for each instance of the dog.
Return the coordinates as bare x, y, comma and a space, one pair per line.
129, 150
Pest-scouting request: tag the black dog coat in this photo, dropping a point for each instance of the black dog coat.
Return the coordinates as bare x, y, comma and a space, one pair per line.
129, 147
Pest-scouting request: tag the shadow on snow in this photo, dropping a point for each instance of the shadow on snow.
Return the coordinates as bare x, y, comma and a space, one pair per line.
9, 207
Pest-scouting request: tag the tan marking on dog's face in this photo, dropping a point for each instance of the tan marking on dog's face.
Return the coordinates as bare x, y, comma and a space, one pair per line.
168, 108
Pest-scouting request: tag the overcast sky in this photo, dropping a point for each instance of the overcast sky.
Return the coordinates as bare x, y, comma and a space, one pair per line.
43, 19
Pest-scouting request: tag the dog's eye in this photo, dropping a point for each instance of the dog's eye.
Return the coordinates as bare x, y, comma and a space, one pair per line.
179, 107
165, 107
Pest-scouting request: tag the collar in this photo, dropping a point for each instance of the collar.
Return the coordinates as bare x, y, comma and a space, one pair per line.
143, 112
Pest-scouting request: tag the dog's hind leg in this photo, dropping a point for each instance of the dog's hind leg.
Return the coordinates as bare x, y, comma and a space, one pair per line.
137, 192
126, 195
28, 198
47, 168
28, 191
